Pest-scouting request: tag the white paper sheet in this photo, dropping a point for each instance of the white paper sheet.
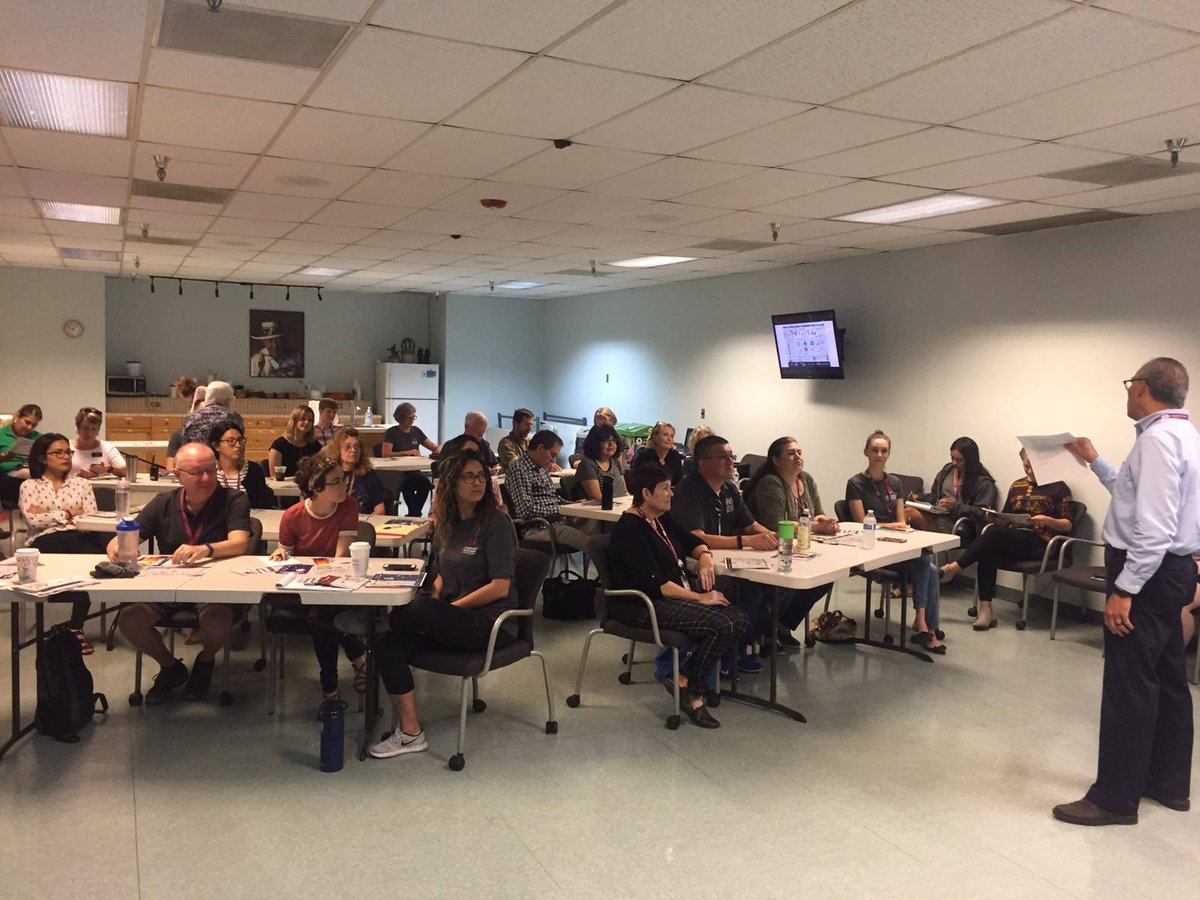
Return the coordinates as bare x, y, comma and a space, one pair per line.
1052, 461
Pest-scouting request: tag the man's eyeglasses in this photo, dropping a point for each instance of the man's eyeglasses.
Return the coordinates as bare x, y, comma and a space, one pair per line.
1128, 382
724, 457
475, 477
198, 473
234, 442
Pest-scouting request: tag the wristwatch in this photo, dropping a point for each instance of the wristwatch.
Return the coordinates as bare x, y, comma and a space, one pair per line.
739, 537
1123, 594
211, 551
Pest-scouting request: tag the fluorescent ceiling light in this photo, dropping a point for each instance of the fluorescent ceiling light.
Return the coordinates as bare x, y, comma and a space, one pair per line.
63, 103
649, 262
925, 208
322, 272
94, 255
80, 212
520, 285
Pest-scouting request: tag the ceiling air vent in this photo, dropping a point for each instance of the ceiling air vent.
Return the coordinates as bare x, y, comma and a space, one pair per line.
189, 193
589, 272
1079, 218
243, 34
93, 255
1126, 171
731, 244
161, 241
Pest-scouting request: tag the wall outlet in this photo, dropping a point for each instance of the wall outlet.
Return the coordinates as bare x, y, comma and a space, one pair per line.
702, 413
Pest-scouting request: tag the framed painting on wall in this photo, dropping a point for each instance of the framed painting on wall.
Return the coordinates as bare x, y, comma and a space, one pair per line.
276, 343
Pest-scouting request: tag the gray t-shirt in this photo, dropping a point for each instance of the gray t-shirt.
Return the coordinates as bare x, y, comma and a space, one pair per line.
473, 558
589, 470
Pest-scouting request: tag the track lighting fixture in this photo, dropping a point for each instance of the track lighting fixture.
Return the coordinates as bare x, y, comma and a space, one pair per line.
180, 280
152, 284
216, 290
320, 299
251, 292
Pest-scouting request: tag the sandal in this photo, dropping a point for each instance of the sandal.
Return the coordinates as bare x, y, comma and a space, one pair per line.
85, 646
360, 677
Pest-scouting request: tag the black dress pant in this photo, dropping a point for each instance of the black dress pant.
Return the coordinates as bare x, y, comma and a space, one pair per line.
996, 545
73, 542
1146, 707
326, 639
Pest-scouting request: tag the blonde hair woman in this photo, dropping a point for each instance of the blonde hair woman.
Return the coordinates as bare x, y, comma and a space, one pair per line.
92, 456
296, 442
362, 482
660, 450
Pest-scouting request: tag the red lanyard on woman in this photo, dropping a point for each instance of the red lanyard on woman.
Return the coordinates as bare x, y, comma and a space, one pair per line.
192, 533
657, 528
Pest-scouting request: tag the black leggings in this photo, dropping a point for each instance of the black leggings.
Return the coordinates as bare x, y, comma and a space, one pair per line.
325, 640
430, 624
73, 542
993, 547
415, 489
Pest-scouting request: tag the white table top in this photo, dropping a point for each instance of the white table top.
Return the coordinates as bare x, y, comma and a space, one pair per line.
142, 445
403, 464
143, 485
590, 509
141, 589
285, 488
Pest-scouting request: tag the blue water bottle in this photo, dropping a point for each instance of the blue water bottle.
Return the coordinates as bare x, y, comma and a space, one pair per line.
333, 737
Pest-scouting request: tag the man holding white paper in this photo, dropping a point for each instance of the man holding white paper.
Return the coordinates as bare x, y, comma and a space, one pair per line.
1151, 531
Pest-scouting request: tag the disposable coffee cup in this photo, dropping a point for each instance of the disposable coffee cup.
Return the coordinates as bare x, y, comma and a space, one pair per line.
360, 555
27, 565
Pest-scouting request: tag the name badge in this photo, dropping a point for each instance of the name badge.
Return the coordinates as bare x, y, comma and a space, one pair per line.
469, 550
728, 504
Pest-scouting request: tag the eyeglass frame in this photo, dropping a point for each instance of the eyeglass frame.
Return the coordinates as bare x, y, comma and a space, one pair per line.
1128, 382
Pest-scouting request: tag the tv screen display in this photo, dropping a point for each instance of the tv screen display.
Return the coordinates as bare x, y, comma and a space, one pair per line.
809, 345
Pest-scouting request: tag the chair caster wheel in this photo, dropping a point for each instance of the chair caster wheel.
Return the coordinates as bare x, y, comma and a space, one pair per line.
624, 659
551, 727
573, 701
457, 762
225, 698
135, 699
972, 611
941, 635
810, 641
625, 678
879, 613
1021, 626
479, 705
259, 665
888, 639
672, 723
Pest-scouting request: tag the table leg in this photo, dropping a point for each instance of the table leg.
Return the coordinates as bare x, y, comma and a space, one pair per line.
372, 698
17, 646
734, 694
898, 648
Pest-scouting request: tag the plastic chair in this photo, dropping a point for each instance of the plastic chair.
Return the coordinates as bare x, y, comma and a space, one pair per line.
598, 551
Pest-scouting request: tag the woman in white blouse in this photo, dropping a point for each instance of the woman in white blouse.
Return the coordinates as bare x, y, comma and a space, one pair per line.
94, 457
51, 500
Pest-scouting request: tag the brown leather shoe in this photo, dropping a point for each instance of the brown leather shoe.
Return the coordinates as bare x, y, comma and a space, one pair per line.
1085, 812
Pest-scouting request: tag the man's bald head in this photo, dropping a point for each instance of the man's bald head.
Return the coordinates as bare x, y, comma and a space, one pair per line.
1166, 379
194, 456
475, 423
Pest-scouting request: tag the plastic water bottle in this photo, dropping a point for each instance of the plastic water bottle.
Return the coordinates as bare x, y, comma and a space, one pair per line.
122, 500
368, 418
129, 538
868, 531
804, 534
787, 543
333, 738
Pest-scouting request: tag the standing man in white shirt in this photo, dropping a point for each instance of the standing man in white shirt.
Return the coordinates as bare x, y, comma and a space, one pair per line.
1152, 528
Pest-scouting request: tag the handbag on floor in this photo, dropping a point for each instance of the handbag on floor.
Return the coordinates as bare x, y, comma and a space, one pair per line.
66, 700
568, 595
833, 627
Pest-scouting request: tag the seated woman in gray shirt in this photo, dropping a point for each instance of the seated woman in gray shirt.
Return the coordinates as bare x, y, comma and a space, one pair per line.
476, 545
600, 458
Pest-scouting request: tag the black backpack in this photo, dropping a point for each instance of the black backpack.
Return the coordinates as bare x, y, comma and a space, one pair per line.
66, 701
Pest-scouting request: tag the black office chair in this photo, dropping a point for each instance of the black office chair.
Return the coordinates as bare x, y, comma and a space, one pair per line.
1083, 577
531, 568
598, 551
911, 484
1060, 545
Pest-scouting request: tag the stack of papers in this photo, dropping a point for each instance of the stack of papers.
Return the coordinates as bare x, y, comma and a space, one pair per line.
162, 565
398, 527
396, 580
49, 588
746, 563
327, 581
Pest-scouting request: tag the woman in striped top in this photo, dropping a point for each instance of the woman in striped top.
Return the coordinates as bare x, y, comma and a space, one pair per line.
228, 443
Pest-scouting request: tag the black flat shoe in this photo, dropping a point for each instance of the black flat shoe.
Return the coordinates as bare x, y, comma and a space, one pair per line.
921, 638
712, 699
939, 650
700, 716
1085, 812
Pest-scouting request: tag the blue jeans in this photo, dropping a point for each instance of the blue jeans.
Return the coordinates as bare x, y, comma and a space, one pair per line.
924, 577
662, 666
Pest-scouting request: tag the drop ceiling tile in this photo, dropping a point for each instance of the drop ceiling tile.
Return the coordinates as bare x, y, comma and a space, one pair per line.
404, 188
27, 242
998, 215
424, 78
68, 152
580, 207
325, 135
814, 133
517, 229
10, 182
1033, 159
520, 198
341, 234
279, 207
363, 215
1080, 44
804, 230
95, 40
574, 167
400, 240
735, 224
251, 227
302, 178
1035, 187
20, 206
343, 10
162, 220
538, 23
704, 34
92, 265
210, 121
660, 217
921, 148
847, 198
236, 242
398, 267
545, 99
868, 42
23, 225
85, 229
211, 256
154, 251
868, 237
228, 75
443, 222
340, 262
68, 187
369, 254
432, 257
1179, 13
192, 165
671, 177
260, 270
623, 243
1131, 93
688, 117
1141, 192
1172, 204
467, 246
765, 186
281, 260
1142, 136
463, 152
539, 251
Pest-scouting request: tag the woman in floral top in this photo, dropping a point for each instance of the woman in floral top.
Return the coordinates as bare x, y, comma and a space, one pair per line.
1049, 514
51, 500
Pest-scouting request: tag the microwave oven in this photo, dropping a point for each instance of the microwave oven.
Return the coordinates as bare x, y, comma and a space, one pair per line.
126, 386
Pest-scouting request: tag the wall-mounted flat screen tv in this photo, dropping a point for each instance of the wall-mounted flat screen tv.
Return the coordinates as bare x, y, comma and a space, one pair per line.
809, 345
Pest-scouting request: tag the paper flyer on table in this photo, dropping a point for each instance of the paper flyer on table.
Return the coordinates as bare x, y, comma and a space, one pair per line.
1051, 461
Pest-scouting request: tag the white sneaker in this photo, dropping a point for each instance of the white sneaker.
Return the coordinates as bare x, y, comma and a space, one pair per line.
398, 743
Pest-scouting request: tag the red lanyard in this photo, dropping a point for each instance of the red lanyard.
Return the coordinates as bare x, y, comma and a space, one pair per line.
887, 487
1155, 420
237, 485
192, 533
657, 528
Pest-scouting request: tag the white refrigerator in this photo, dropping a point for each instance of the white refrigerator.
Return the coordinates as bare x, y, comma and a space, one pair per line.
415, 383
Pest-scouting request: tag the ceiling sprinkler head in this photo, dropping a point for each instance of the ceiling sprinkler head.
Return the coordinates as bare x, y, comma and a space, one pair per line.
145, 230
491, 286
1174, 145
160, 166
775, 226
593, 262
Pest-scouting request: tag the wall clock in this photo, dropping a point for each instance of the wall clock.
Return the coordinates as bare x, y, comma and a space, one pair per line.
72, 328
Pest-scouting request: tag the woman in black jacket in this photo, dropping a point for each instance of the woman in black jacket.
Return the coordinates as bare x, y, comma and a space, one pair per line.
962, 488
660, 450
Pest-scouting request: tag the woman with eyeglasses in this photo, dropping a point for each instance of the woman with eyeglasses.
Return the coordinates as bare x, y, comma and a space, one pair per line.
362, 481
94, 457
660, 450
228, 442
474, 585
52, 498
324, 525
600, 459
296, 442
